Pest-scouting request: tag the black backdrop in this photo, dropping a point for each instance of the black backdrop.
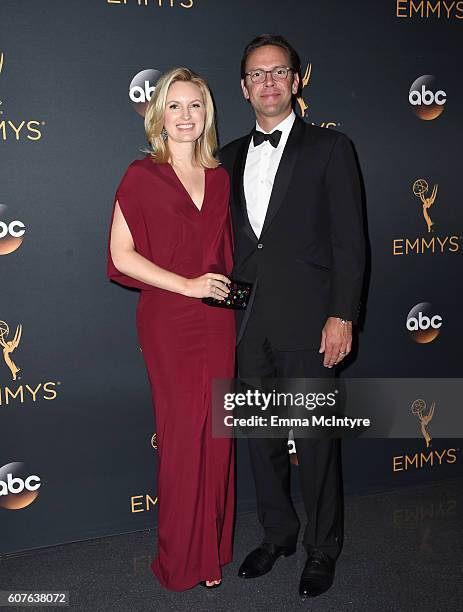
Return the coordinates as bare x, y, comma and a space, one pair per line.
79, 416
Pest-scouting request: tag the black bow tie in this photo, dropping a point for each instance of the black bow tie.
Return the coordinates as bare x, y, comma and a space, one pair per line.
273, 138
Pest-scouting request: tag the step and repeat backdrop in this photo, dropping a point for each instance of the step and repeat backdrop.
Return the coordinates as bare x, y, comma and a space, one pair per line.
77, 431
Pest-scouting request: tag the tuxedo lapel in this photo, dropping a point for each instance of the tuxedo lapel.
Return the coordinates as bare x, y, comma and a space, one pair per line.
238, 187
285, 171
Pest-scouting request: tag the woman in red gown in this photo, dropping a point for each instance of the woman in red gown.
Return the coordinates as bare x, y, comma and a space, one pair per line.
171, 238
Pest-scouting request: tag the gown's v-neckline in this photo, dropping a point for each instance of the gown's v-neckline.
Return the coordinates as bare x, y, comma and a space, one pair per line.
186, 190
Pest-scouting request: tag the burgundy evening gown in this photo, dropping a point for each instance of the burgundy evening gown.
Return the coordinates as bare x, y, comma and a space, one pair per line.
185, 344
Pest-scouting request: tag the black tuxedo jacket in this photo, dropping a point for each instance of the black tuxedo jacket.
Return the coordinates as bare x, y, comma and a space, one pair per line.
308, 263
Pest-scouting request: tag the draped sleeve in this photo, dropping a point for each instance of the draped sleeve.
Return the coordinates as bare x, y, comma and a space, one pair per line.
128, 195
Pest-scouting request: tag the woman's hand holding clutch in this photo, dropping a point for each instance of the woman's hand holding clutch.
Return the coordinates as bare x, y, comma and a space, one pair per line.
237, 298
209, 285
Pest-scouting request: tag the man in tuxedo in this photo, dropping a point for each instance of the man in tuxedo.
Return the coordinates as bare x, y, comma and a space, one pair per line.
298, 237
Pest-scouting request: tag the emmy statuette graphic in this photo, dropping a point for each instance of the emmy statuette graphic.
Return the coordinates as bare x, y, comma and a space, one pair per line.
10, 346
418, 409
420, 187
305, 81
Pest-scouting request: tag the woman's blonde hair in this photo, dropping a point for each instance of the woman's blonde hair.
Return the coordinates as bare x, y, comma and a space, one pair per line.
206, 145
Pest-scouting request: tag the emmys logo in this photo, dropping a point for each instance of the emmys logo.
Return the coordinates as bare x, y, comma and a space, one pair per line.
141, 89
303, 106
427, 101
11, 232
23, 392
186, 4
142, 503
29, 130
17, 488
419, 410
426, 244
9, 346
425, 512
426, 9
422, 325
16, 130
429, 458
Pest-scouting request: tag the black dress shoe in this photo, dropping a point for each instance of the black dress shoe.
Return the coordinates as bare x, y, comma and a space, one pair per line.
261, 560
317, 575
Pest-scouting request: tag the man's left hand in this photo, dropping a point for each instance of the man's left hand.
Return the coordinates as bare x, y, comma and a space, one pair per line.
336, 341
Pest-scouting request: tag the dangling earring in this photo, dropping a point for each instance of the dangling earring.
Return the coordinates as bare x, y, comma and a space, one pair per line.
164, 134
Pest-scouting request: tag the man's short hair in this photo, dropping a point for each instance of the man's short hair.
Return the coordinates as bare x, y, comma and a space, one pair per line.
277, 41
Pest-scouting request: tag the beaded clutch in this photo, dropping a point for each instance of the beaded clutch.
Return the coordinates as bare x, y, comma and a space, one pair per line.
237, 299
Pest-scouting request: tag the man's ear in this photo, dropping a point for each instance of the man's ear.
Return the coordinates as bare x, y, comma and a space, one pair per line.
244, 89
295, 85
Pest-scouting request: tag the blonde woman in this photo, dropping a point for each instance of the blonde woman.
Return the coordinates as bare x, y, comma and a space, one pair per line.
171, 238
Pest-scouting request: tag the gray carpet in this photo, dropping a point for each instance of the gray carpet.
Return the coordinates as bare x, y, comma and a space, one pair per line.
402, 552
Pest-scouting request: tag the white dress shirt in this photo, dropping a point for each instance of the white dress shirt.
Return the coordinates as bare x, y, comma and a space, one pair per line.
259, 173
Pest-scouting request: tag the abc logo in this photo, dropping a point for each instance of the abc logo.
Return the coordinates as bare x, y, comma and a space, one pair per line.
426, 98
423, 324
18, 489
11, 233
141, 89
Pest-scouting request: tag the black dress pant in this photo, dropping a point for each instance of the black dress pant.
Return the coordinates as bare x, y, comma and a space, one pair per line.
319, 459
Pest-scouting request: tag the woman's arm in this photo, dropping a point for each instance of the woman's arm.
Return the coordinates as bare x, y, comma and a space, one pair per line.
129, 262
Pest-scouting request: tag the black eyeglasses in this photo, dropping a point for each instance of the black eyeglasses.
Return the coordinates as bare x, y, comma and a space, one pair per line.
279, 73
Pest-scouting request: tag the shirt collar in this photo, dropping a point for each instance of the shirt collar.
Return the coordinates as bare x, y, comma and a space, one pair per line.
284, 126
